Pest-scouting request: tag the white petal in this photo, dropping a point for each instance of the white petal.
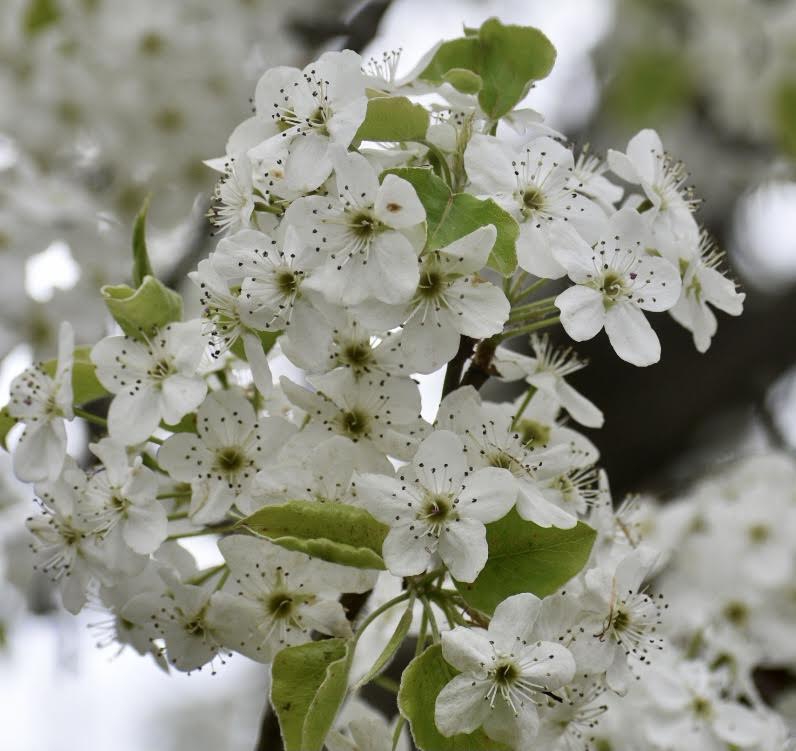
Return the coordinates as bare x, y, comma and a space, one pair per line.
180, 455
440, 463
513, 620
489, 164
308, 164
258, 362
656, 286
180, 395
582, 312
535, 250
534, 507
461, 706
644, 151
392, 269
578, 406
467, 649
40, 453
406, 551
463, 548
488, 495
145, 528
478, 308
631, 335
397, 204
132, 418
470, 253
357, 181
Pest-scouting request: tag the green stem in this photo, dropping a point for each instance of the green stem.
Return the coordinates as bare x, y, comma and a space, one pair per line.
90, 417
517, 282
432, 621
202, 577
531, 391
443, 162
387, 683
378, 611
178, 516
531, 288
543, 324
545, 302
180, 494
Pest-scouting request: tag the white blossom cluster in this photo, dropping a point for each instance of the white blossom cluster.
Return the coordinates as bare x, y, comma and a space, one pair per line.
368, 263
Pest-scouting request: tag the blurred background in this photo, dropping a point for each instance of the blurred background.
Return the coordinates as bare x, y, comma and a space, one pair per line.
105, 101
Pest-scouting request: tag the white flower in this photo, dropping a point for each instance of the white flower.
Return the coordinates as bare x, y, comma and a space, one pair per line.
535, 185
177, 614
615, 281
228, 319
66, 547
154, 379
312, 111
382, 416
437, 507
588, 171
234, 196
546, 373
309, 470
124, 495
452, 299
619, 620
691, 713
43, 403
278, 597
232, 445
505, 673
703, 283
368, 232
541, 464
646, 164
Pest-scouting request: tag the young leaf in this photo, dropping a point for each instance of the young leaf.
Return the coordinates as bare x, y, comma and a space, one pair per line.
85, 386
503, 62
401, 630
512, 58
393, 118
308, 685
140, 311
524, 557
334, 532
141, 266
421, 683
450, 216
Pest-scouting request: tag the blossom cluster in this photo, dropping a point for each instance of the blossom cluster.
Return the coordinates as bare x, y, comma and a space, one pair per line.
365, 223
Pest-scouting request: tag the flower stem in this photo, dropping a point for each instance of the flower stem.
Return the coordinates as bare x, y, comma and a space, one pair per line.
443, 163
530, 289
378, 611
543, 324
529, 394
90, 417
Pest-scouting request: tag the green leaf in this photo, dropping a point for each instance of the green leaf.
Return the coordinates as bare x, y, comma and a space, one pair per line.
524, 557
85, 386
456, 54
512, 58
332, 531
464, 80
502, 62
142, 310
308, 685
393, 118
39, 15
421, 683
450, 216
141, 265
401, 630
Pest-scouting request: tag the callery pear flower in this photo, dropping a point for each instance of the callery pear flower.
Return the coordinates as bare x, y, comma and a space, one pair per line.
438, 507
615, 280
153, 378
505, 673
43, 402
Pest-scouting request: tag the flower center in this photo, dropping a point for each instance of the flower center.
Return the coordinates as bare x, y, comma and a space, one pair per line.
613, 286
534, 433
230, 460
701, 707
503, 460
364, 226
280, 605
161, 370
437, 507
506, 673
286, 282
355, 423
532, 200
759, 533
431, 285
357, 354
736, 613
